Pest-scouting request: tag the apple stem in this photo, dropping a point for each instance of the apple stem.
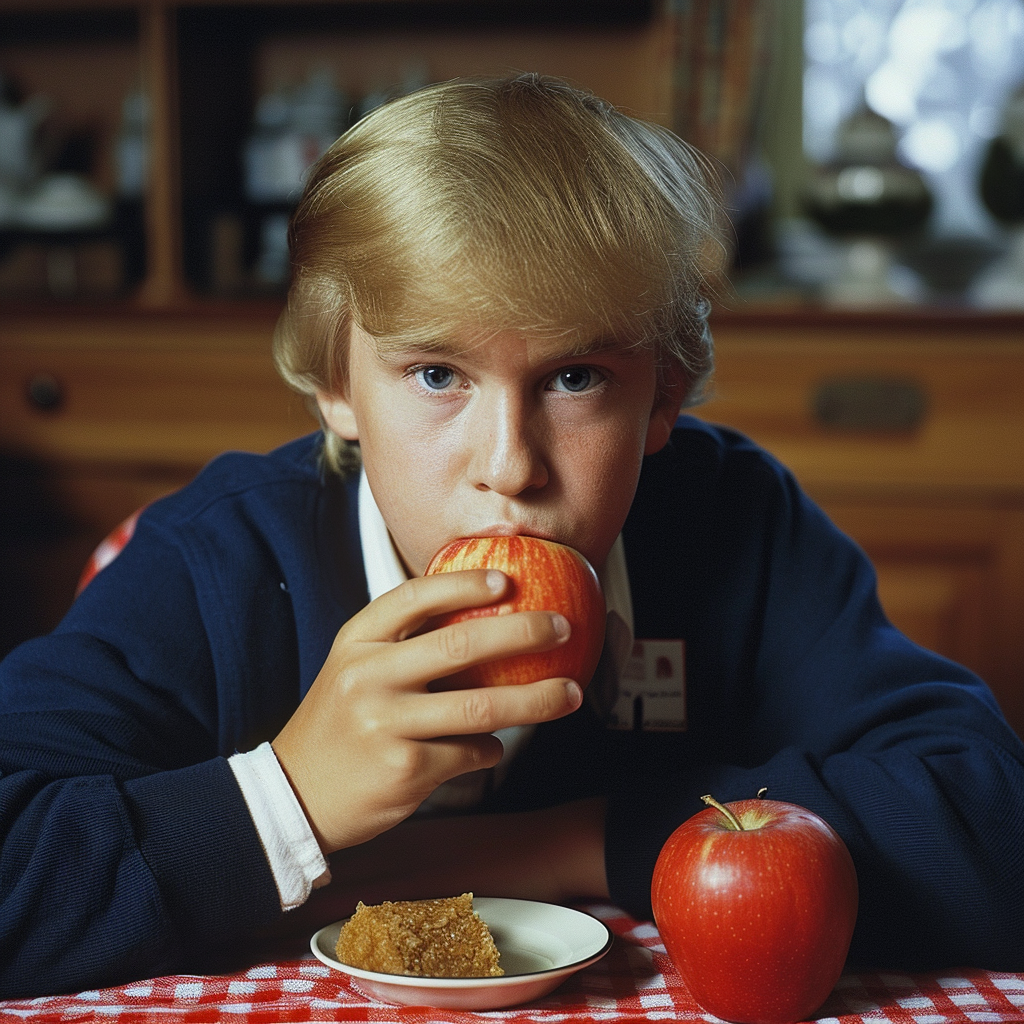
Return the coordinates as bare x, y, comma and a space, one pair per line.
734, 822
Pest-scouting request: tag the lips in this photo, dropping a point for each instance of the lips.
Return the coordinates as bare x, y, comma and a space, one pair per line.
507, 530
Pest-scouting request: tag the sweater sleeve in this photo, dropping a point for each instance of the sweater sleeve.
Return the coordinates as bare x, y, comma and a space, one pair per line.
797, 682
127, 846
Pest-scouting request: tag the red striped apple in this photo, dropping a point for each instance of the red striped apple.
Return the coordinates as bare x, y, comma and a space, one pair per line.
756, 901
544, 576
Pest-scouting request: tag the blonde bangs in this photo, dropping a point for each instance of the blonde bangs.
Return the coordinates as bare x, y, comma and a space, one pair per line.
521, 204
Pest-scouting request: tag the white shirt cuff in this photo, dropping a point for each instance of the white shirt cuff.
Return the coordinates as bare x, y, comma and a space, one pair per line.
294, 855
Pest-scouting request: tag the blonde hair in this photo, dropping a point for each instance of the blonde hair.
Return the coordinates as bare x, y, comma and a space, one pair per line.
490, 204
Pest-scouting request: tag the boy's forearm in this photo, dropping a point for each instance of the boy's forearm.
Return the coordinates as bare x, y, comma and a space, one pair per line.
555, 855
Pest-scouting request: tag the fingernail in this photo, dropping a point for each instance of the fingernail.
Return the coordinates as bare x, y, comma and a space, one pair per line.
562, 627
495, 581
574, 693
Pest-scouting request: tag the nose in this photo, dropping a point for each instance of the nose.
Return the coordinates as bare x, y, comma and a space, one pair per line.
508, 447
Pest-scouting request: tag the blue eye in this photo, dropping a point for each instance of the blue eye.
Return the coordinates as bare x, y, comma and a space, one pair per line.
436, 378
575, 379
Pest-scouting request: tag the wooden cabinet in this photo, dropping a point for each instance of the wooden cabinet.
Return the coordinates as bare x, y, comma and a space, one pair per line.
909, 431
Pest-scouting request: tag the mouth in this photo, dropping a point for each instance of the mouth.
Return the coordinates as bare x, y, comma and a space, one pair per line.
512, 530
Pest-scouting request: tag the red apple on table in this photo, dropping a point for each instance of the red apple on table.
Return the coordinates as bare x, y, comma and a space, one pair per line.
544, 576
756, 902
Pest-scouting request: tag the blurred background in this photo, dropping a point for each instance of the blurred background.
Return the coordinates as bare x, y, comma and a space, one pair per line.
872, 332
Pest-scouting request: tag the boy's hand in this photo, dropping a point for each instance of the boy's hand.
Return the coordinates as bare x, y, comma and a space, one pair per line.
370, 742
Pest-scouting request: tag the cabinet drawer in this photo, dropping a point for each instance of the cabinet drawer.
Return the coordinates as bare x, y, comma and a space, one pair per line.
877, 409
144, 405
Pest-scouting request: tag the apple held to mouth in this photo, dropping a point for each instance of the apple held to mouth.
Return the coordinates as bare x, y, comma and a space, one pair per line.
544, 576
756, 901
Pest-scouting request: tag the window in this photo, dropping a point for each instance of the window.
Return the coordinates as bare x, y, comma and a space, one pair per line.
940, 70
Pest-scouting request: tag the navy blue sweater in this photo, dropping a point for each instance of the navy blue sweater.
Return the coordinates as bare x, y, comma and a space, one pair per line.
127, 849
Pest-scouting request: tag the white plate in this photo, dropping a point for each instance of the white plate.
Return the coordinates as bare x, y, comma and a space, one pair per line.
540, 945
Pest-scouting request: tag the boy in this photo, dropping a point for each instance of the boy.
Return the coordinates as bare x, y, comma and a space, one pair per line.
497, 294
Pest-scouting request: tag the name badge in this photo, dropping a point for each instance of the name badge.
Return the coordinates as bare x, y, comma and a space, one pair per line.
652, 688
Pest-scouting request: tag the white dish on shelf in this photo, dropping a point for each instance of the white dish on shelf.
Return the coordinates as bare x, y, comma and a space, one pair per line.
64, 202
541, 945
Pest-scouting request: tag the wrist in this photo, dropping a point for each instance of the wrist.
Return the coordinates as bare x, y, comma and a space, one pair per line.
291, 848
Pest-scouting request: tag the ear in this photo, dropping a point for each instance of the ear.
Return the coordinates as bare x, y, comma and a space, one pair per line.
672, 387
337, 413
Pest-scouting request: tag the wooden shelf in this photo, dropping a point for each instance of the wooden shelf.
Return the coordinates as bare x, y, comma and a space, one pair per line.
203, 63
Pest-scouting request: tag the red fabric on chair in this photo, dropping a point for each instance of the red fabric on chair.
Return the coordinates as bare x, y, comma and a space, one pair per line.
109, 548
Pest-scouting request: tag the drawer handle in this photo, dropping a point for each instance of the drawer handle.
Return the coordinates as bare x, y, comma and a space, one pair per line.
870, 404
45, 392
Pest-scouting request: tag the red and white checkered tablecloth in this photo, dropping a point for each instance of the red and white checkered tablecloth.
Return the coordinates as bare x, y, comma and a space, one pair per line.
634, 982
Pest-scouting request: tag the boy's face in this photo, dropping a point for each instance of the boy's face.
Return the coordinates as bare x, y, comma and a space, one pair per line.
511, 435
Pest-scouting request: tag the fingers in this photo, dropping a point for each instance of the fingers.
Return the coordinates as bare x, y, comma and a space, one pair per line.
449, 757
483, 710
442, 652
385, 631
400, 612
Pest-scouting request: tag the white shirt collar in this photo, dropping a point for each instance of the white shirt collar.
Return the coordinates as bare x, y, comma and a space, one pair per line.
384, 569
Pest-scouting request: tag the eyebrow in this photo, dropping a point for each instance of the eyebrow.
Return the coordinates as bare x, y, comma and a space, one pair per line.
602, 343
445, 346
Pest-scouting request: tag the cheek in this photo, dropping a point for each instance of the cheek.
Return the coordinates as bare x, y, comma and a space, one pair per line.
412, 484
621, 446
396, 468
602, 477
